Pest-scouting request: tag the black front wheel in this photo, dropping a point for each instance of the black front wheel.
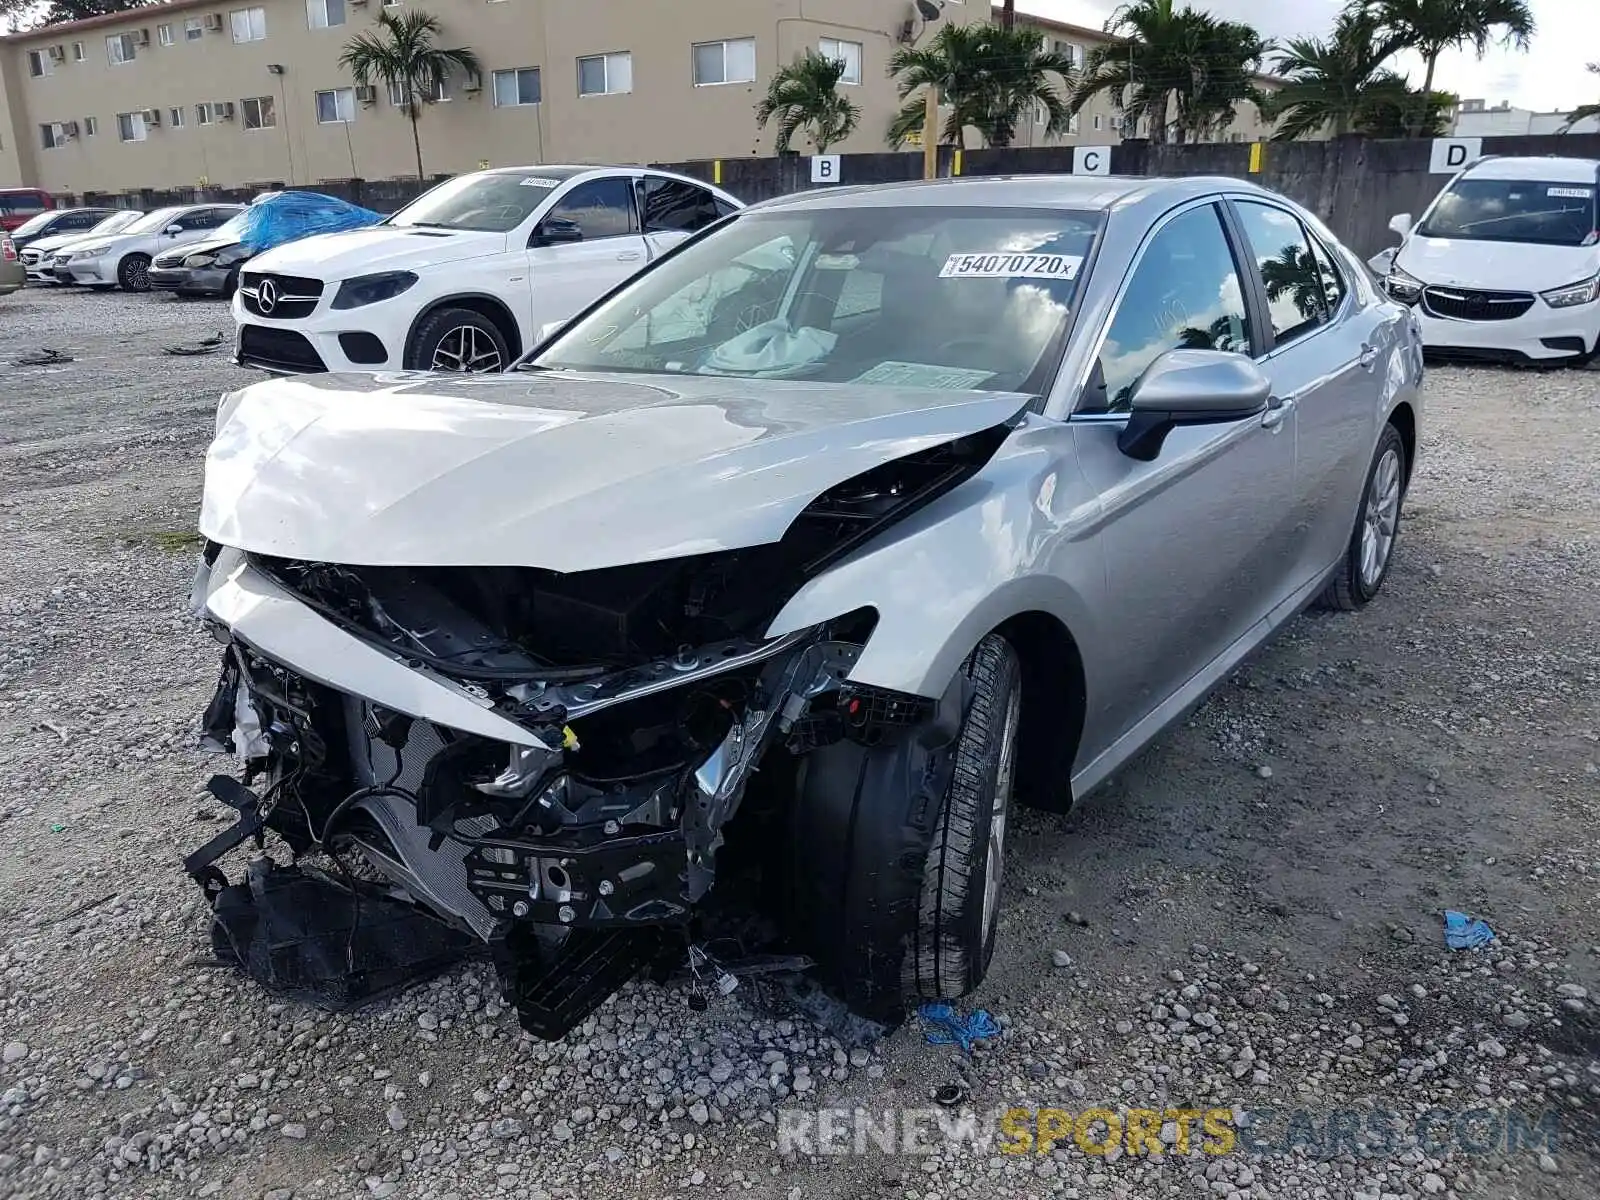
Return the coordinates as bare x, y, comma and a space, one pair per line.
898, 850
133, 273
460, 341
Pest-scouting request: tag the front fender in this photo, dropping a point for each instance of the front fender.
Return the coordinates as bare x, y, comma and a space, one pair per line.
1013, 539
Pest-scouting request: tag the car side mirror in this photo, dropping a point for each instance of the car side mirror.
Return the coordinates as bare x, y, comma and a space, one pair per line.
173, 230
549, 329
1400, 223
557, 231
1190, 387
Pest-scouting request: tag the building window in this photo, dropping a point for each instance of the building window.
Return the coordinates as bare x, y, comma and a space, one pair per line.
175, 118
1072, 124
38, 63
259, 113
51, 136
164, 34
849, 53
119, 49
336, 107
1116, 122
193, 29
397, 94
1072, 51
1099, 122
249, 24
723, 62
324, 14
605, 74
518, 87
391, 3
91, 126
130, 127
204, 113
78, 53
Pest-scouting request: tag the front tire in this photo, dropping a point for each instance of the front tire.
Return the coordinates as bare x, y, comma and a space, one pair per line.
898, 850
459, 341
1370, 553
133, 273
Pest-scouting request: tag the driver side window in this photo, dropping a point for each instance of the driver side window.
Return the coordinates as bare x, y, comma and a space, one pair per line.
601, 208
1184, 294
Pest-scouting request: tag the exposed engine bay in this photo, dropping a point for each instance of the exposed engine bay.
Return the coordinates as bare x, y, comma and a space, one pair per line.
648, 700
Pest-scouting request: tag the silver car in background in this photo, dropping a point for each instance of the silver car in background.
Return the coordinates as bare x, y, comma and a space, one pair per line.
922, 499
123, 259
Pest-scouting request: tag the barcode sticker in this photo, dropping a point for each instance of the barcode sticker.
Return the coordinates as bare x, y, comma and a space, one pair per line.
1570, 193
1011, 266
539, 181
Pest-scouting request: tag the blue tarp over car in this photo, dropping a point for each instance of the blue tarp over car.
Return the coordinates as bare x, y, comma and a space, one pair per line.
289, 216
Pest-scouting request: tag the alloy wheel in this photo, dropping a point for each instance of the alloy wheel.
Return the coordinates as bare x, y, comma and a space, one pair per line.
1380, 518
1005, 775
466, 349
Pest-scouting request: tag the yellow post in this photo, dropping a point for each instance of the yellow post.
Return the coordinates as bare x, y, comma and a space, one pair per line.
955, 162
1255, 158
930, 133
716, 172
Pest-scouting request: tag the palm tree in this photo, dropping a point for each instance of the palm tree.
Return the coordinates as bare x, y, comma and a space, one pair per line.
1390, 105
1430, 27
805, 96
989, 76
1228, 56
1587, 110
1328, 81
1172, 64
401, 54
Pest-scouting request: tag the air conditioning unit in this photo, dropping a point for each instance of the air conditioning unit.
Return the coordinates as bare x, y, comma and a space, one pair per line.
214, 22
141, 37
366, 93
224, 110
70, 129
473, 83
58, 54
151, 117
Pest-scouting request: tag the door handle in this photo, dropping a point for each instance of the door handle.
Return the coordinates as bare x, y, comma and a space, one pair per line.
1277, 410
629, 256
1369, 355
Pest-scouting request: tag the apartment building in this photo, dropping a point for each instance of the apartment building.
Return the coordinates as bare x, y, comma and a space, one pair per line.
237, 92
234, 92
1100, 123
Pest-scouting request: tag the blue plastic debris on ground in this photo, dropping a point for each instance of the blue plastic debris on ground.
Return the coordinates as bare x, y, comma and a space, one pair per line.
1462, 932
946, 1027
290, 216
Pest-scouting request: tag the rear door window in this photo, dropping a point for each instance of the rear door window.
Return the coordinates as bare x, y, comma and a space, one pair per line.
674, 206
1297, 301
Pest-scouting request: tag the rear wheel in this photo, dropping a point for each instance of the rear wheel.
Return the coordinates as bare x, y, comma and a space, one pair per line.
458, 340
1371, 550
898, 850
133, 273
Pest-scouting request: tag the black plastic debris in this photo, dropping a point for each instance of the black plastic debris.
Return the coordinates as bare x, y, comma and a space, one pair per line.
331, 943
208, 345
41, 358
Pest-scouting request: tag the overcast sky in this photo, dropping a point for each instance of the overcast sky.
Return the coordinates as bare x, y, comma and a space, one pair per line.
1550, 76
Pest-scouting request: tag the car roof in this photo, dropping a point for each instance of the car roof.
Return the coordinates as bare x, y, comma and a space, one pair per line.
1549, 168
1095, 193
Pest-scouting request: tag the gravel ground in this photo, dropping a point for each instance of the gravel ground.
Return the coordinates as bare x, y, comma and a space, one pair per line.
1248, 919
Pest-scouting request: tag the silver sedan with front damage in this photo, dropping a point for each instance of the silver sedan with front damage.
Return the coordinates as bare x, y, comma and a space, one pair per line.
728, 629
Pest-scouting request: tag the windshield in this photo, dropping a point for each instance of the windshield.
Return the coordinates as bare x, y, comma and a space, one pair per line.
34, 224
962, 298
233, 227
152, 220
1515, 210
494, 203
117, 222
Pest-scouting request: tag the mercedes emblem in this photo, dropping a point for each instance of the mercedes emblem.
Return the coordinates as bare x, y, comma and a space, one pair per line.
267, 296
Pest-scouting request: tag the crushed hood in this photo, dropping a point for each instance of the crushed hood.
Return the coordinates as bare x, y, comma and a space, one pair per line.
1496, 266
555, 470
376, 248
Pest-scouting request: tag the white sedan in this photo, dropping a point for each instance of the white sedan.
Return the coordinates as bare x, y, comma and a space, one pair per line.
464, 277
123, 260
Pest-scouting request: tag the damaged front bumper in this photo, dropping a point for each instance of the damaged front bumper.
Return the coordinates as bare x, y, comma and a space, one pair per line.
564, 817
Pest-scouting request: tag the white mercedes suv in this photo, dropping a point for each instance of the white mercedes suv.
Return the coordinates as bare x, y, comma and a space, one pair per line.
464, 277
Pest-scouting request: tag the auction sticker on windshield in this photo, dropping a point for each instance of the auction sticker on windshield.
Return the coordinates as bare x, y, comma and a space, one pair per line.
1570, 193
540, 181
1011, 266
